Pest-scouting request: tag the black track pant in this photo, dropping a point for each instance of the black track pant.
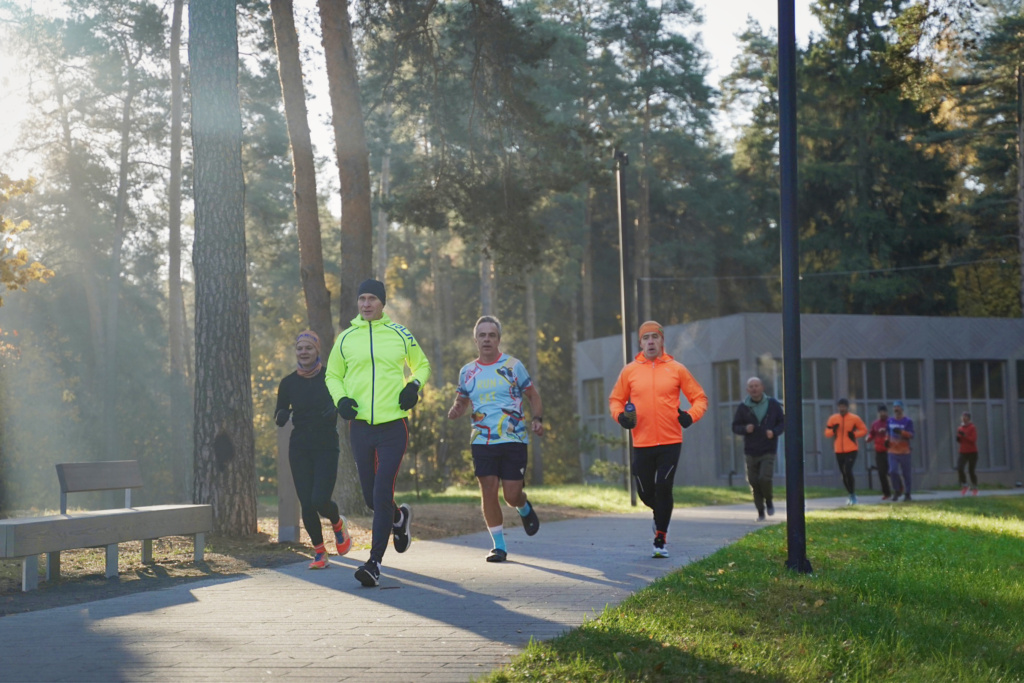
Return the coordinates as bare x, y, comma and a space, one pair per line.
654, 468
846, 461
760, 476
971, 460
378, 451
314, 471
882, 465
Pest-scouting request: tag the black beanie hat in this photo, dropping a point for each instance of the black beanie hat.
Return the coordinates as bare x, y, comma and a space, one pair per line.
375, 287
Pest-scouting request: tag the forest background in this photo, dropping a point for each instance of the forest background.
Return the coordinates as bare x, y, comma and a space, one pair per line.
490, 129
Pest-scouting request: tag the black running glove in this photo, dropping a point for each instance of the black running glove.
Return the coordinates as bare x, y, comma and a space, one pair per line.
347, 408
282, 417
410, 395
835, 431
897, 430
684, 418
626, 421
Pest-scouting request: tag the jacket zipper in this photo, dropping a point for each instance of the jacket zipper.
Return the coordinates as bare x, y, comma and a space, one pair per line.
373, 376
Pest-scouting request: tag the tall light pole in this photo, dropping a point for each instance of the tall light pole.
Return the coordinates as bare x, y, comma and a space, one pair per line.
627, 292
796, 528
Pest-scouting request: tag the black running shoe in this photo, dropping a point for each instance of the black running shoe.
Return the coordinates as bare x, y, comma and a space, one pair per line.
369, 574
497, 555
401, 533
530, 522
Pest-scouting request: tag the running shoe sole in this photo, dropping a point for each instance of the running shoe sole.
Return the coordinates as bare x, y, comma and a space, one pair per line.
344, 541
402, 537
367, 576
530, 522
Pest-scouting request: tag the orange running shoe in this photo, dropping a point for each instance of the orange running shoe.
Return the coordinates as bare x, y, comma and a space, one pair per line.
320, 559
341, 536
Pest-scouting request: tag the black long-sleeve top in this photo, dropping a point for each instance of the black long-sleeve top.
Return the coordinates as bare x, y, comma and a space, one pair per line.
312, 411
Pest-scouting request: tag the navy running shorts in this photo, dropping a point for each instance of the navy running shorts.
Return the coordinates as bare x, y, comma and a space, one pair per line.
507, 461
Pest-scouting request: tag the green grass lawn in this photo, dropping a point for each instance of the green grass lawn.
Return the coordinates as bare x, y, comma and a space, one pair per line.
612, 498
921, 592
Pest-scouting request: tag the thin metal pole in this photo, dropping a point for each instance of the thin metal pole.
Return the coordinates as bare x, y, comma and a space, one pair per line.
627, 292
796, 528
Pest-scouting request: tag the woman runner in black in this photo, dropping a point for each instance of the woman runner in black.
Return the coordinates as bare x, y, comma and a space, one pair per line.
313, 446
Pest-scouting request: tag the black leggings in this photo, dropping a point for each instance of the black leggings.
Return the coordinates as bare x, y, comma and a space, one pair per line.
846, 461
378, 451
654, 468
882, 465
971, 460
314, 471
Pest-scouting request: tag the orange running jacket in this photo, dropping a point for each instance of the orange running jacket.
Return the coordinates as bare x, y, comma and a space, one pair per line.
846, 424
653, 387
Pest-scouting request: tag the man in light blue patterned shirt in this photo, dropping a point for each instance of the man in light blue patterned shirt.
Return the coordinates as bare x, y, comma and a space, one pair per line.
494, 386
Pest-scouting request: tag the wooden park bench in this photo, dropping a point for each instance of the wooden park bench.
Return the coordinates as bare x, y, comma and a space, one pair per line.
28, 537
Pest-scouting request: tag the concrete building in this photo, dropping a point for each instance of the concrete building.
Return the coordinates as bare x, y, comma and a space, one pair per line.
939, 368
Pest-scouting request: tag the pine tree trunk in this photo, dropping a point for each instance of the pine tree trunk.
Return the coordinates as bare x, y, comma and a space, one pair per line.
531, 326
352, 152
486, 284
356, 220
110, 429
225, 472
588, 265
181, 403
307, 218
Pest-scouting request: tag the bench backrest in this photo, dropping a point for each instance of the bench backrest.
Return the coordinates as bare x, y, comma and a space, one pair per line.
76, 477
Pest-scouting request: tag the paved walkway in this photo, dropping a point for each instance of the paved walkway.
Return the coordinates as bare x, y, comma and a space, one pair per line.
440, 614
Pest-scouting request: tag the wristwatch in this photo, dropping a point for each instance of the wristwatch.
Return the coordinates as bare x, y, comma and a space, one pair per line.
538, 418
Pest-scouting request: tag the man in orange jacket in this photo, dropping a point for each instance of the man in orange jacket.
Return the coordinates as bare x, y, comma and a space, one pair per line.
846, 428
645, 399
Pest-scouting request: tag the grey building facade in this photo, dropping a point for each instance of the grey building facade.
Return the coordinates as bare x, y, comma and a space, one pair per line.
939, 368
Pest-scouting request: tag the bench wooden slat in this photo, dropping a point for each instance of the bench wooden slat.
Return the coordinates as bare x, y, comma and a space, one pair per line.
99, 476
37, 535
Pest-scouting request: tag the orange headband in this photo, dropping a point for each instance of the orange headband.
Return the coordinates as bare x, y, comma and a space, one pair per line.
651, 326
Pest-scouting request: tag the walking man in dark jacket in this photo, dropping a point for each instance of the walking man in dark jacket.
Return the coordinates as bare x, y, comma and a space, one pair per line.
759, 421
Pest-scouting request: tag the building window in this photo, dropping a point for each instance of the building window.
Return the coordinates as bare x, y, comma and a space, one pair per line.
726, 397
976, 387
818, 388
876, 382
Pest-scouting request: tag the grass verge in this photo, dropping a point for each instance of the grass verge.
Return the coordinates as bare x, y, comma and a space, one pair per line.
928, 592
613, 499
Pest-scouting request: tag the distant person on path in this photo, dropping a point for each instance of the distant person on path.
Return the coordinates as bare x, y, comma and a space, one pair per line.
366, 378
845, 428
650, 387
313, 445
901, 431
494, 386
759, 420
967, 437
878, 435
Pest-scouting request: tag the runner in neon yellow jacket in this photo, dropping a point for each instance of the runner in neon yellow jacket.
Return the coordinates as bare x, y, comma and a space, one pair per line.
367, 364
366, 378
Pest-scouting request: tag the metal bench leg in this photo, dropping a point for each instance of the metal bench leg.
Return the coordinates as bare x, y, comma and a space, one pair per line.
53, 566
200, 546
147, 551
111, 561
29, 573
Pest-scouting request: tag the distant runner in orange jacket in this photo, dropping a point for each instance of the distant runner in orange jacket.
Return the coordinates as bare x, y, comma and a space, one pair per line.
645, 399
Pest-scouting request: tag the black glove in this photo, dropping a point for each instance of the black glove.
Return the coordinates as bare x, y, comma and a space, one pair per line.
852, 434
282, 417
684, 418
835, 431
626, 421
887, 444
959, 435
897, 430
347, 408
410, 396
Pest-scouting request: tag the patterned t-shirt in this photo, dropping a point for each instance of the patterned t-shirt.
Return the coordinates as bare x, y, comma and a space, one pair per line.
899, 445
496, 390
